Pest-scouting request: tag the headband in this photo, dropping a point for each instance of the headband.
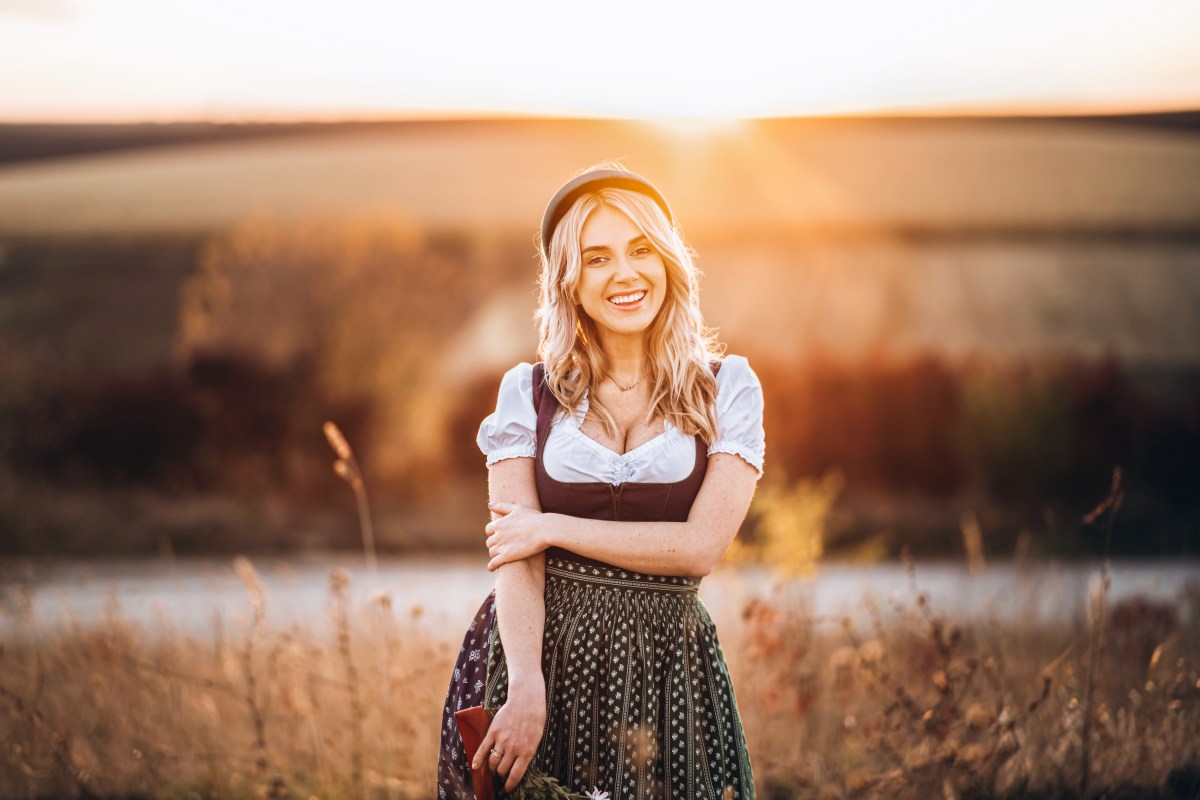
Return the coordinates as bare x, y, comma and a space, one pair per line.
592, 181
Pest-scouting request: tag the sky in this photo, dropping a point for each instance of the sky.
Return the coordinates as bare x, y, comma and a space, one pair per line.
243, 60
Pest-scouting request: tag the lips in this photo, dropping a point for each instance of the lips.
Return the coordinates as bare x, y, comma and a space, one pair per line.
628, 300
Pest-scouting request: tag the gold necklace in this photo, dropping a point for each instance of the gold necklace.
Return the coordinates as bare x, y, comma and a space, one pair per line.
625, 388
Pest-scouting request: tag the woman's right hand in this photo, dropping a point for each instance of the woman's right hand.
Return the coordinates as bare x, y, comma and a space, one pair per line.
515, 732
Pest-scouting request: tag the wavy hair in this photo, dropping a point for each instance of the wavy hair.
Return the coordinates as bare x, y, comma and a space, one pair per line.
679, 344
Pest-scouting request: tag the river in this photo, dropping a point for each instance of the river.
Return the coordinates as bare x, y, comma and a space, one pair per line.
440, 592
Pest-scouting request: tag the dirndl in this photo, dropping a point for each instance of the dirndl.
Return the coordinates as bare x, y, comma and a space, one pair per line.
640, 701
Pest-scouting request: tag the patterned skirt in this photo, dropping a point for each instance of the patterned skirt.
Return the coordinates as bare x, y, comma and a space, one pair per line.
640, 701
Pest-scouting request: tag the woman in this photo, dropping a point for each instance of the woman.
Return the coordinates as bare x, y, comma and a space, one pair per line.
620, 468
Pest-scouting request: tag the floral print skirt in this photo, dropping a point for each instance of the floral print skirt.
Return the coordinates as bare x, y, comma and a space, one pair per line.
640, 701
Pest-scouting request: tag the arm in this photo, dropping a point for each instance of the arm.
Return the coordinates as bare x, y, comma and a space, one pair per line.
662, 548
516, 730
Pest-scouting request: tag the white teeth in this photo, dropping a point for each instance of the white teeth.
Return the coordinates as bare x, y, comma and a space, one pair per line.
627, 298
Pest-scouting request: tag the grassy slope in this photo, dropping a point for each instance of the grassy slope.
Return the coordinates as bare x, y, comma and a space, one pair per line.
827, 176
957, 235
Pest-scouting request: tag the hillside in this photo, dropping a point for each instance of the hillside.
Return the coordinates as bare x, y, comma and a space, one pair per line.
827, 177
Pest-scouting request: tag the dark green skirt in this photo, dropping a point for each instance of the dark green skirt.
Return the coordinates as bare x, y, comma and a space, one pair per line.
640, 704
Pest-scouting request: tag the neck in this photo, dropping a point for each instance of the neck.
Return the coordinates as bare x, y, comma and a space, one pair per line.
626, 356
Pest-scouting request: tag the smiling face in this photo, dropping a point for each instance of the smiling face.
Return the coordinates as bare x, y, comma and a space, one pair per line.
623, 280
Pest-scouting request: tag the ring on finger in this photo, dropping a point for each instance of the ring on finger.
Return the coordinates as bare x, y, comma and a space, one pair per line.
496, 754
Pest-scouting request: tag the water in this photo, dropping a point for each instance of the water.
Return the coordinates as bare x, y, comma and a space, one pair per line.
440, 593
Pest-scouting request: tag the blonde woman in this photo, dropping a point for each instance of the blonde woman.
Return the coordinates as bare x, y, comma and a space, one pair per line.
620, 467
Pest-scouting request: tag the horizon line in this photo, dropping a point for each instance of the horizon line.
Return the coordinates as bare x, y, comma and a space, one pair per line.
319, 117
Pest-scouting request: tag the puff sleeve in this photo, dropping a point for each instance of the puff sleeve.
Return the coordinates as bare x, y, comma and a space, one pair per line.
510, 430
740, 413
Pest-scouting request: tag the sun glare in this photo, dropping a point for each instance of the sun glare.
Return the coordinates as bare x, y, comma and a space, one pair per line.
690, 71
683, 127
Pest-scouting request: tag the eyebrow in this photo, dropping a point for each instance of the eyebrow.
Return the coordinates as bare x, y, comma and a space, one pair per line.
630, 243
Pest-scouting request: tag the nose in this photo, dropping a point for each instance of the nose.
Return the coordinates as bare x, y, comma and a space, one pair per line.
623, 270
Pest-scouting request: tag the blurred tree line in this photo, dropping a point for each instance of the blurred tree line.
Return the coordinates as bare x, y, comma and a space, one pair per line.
280, 326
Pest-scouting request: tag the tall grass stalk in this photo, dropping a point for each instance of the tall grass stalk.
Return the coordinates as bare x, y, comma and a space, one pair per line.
346, 468
250, 579
339, 583
1108, 509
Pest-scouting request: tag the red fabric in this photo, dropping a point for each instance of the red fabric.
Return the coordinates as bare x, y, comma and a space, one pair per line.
472, 727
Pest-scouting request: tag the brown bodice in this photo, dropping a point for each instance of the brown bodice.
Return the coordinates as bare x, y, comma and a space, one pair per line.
634, 501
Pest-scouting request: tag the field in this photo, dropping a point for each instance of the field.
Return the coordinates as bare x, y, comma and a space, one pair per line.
912, 704
837, 176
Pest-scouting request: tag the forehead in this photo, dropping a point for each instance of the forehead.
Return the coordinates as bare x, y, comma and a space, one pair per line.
608, 227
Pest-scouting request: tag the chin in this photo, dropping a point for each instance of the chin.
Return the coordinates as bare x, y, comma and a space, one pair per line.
628, 326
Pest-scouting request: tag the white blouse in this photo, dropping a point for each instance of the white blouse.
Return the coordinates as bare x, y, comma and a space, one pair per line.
571, 456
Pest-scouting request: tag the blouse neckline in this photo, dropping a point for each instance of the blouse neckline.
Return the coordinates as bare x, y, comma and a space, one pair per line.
650, 444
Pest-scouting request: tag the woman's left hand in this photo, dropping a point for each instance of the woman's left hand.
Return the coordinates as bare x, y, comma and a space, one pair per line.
519, 532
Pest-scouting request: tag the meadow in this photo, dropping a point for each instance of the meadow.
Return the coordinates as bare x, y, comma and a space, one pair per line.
913, 702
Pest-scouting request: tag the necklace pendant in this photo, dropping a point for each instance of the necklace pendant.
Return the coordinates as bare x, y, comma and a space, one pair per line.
626, 388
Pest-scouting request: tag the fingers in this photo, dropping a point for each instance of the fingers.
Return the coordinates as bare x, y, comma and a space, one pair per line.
485, 747
511, 766
496, 553
500, 560
506, 764
520, 764
494, 761
502, 508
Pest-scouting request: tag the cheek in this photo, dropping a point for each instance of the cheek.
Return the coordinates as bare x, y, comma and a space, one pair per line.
660, 278
586, 290
579, 292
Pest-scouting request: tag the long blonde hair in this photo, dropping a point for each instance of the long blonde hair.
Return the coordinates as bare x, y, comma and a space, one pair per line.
680, 345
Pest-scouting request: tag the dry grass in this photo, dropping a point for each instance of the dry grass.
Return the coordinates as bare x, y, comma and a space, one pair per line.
916, 705
251, 710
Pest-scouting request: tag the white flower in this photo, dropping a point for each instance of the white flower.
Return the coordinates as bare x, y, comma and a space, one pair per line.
596, 794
